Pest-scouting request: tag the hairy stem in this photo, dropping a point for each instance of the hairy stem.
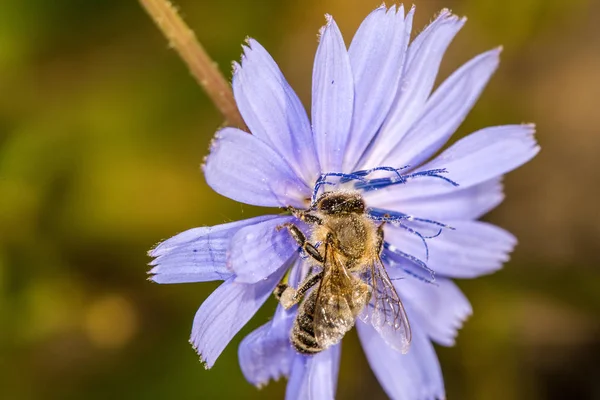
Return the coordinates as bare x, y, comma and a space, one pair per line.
183, 40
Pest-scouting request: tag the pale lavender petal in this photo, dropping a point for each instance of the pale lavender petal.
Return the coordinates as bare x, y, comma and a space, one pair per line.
225, 312
458, 204
259, 250
299, 271
420, 70
413, 376
445, 111
266, 353
472, 249
441, 307
273, 112
332, 98
198, 254
314, 377
244, 168
377, 55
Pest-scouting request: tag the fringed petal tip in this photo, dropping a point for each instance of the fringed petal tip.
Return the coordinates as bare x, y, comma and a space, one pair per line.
446, 13
529, 135
458, 315
225, 312
328, 22
204, 363
395, 8
250, 44
235, 67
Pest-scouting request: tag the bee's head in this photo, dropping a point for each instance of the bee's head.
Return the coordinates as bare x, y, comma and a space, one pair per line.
340, 203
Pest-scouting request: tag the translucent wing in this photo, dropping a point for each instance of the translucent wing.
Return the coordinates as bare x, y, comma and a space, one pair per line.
340, 299
385, 311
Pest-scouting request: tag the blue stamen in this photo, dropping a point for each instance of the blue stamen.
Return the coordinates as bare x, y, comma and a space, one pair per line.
397, 218
410, 230
365, 172
362, 182
322, 181
379, 214
379, 183
412, 259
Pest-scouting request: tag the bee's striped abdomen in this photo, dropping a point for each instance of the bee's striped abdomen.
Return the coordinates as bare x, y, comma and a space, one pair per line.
302, 336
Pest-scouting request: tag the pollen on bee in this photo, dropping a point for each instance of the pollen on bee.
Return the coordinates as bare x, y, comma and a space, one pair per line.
287, 298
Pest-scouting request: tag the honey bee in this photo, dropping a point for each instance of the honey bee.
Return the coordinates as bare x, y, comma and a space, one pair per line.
351, 281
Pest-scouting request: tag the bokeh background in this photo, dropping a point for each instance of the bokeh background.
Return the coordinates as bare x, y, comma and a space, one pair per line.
102, 131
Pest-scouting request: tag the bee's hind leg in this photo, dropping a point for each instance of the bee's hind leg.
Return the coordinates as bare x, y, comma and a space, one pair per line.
288, 296
279, 289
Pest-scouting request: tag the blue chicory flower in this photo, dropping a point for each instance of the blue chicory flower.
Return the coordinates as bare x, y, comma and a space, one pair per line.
372, 107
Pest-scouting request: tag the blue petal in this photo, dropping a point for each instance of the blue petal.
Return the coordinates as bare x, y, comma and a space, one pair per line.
273, 112
413, 376
259, 250
266, 353
377, 55
472, 249
445, 111
314, 377
197, 255
420, 70
439, 309
244, 168
458, 204
225, 312
332, 98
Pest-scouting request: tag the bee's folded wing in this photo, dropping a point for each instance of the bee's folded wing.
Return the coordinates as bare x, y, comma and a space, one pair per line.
340, 299
385, 311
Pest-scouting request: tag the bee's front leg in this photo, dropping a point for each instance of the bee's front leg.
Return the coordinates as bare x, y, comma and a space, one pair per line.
305, 216
299, 237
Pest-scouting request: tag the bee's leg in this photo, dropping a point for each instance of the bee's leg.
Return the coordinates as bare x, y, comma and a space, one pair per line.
305, 216
301, 240
380, 237
279, 289
290, 296
311, 219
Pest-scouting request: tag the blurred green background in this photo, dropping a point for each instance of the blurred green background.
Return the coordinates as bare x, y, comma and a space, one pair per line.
102, 131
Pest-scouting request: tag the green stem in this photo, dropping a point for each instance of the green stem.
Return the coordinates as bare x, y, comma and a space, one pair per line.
204, 70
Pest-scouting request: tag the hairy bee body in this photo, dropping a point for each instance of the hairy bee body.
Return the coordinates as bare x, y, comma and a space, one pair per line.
353, 236
351, 277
